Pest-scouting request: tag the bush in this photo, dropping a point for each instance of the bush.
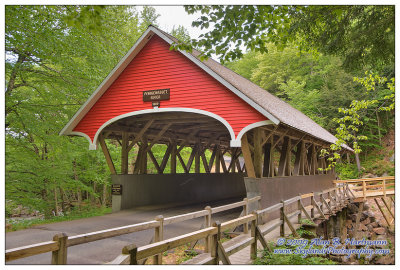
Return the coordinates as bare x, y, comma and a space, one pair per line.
347, 171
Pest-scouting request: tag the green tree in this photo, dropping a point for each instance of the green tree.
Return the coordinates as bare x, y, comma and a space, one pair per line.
51, 69
362, 35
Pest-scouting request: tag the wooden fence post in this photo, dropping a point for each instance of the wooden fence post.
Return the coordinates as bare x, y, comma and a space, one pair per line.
246, 212
312, 205
384, 188
207, 223
132, 251
253, 247
158, 236
299, 208
364, 189
214, 242
282, 228
60, 256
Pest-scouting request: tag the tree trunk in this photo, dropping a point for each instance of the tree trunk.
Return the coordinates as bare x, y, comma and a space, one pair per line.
79, 193
358, 162
104, 198
55, 201
379, 128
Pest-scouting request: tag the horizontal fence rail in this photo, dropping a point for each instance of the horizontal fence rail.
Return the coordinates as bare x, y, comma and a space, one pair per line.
370, 187
320, 206
54, 246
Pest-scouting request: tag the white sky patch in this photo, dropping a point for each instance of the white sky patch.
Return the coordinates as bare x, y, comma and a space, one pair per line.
174, 16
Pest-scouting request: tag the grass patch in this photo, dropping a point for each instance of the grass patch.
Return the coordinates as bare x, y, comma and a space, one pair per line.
85, 212
269, 258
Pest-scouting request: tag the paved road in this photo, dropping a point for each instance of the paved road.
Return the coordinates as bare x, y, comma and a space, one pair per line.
106, 250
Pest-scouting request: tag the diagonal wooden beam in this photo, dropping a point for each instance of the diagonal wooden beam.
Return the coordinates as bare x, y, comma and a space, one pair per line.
107, 155
190, 161
211, 162
280, 138
140, 134
182, 162
155, 139
154, 160
269, 135
165, 158
247, 157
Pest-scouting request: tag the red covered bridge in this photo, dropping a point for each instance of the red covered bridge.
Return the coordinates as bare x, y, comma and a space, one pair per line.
160, 96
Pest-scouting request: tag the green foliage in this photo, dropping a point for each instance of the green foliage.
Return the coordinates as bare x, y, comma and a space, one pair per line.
347, 171
269, 258
360, 34
181, 33
55, 57
348, 131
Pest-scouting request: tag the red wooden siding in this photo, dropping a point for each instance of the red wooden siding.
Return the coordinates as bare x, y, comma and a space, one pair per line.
156, 67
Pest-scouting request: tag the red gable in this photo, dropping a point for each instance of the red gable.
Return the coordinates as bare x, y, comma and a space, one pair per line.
157, 67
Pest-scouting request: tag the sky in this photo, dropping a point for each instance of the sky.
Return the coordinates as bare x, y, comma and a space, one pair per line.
174, 15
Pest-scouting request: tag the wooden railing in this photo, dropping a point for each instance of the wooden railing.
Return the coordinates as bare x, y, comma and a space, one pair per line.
370, 187
326, 202
61, 242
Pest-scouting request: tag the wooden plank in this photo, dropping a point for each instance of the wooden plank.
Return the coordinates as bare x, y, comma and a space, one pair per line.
269, 135
165, 158
159, 247
197, 158
107, 155
154, 160
227, 207
236, 222
218, 159
270, 209
271, 227
290, 225
238, 243
388, 207
357, 226
222, 254
257, 152
30, 250
318, 208
211, 162
205, 164
121, 259
307, 195
200, 259
260, 237
267, 159
292, 200
140, 134
247, 157
182, 162
283, 157
302, 208
190, 161
158, 136
103, 234
60, 256
173, 158
124, 153
183, 217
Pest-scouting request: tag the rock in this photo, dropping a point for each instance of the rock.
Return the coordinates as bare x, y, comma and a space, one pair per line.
374, 224
366, 206
385, 260
366, 221
363, 227
381, 237
370, 227
379, 230
352, 208
391, 159
370, 175
349, 224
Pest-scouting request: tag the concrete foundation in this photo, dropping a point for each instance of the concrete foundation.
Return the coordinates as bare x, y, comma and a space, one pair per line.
151, 189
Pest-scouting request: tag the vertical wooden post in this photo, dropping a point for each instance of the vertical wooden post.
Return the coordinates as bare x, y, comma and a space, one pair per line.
143, 160
247, 157
60, 256
356, 228
312, 204
218, 159
283, 157
271, 162
173, 158
197, 158
158, 236
124, 153
214, 243
267, 159
384, 188
299, 208
364, 189
257, 152
282, 228
246, 212
132, 251
288, 171
253, 247
207, 223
